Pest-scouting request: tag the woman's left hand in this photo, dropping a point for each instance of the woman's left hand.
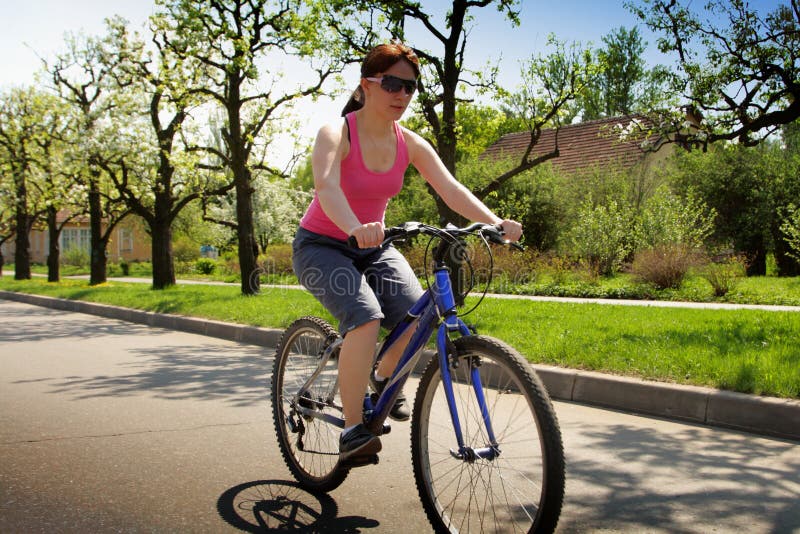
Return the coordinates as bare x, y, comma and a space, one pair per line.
512, 229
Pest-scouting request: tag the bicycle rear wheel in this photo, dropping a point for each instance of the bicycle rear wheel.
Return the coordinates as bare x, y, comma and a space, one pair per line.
522, 488
309, 445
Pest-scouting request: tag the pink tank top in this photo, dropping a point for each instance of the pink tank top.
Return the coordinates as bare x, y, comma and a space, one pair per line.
367, 192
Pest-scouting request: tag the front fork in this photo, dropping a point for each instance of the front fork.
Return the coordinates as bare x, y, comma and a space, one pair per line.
446, 360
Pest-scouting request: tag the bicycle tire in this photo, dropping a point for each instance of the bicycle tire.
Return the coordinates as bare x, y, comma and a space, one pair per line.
460, 495
311, 453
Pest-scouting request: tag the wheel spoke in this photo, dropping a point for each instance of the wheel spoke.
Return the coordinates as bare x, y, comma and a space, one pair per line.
298, 358
506, 493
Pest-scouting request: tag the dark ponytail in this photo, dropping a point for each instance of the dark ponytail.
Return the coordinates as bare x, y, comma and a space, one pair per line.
355, 103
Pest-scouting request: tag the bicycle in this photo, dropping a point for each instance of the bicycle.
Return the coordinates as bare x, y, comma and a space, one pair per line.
485, 442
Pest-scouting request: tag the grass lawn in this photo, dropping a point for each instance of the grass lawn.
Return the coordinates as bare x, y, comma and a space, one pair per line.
750, 351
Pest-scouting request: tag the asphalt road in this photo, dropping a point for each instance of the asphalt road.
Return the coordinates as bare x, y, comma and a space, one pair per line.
107, 426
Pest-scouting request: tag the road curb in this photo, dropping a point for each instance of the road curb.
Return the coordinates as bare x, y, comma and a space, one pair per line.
760, 415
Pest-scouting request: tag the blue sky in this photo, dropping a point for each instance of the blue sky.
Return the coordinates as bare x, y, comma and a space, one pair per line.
31, 27
40, 25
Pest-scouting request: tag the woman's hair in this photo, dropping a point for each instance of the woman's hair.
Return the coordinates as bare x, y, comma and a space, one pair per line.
380, 59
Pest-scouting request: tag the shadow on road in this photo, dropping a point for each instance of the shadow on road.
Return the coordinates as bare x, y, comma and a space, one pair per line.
729, 482
283, 506
238, 375
203, 370
14, 329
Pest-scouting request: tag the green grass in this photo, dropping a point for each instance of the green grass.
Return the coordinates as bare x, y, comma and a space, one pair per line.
752, 290
750, 351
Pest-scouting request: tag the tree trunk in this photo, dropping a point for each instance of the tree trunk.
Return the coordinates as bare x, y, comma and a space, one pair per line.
787, 265
97, 263
248, 247
756, 254
22, 254
163, 266
53, 252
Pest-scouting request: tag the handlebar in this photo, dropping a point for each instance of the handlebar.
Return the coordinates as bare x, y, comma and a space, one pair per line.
491, 232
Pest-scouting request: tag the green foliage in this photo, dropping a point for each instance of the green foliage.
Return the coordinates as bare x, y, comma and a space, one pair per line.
747, 187
668, 220
75, 256
205, 265
278, 259
601, 235
724, 275
735, 64
414, 202
185, 250
791, 230
622, 84
531, 198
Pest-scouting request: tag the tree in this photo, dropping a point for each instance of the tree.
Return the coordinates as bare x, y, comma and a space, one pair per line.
744, 186
7, 218
738, 77
58, 185
22, 113
229, 38
549, 82
81, 76
151, 169
623, 84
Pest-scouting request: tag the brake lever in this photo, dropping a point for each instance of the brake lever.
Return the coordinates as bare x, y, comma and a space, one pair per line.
495, 235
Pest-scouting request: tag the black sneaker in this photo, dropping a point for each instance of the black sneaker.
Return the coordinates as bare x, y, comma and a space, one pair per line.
358, 442
401, 410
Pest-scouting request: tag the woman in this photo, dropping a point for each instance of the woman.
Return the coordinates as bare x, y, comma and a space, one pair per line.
358, 166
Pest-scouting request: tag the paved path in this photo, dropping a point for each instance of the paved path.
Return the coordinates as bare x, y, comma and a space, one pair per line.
618, 302
109, 426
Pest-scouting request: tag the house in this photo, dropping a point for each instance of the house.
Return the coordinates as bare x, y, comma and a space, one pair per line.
128, 241
621, 142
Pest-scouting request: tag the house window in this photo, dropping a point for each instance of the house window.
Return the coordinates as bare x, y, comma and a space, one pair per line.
79, 238
125, 240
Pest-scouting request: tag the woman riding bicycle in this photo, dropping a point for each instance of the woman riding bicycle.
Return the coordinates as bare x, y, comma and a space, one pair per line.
358, 166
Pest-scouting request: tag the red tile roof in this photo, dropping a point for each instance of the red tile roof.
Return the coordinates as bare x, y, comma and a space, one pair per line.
581, 146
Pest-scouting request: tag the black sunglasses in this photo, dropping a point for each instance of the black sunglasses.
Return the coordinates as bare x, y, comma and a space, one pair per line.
393, 84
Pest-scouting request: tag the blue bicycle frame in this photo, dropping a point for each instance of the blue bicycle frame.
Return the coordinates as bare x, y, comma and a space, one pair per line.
437, 304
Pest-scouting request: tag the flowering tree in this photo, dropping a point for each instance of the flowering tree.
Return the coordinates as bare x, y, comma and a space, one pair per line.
737, 77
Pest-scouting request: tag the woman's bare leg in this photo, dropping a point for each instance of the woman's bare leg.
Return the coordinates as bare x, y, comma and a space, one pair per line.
355, 365
392, 356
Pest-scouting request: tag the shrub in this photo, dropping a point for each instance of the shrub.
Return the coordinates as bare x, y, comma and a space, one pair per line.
184, 249
725, 275
667, 219
664, 266
76, 257
601, 236
184, 267
791, 230
205, 265
277, 259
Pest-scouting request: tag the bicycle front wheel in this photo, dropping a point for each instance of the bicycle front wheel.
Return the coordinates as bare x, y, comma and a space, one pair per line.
517, 488
309, 445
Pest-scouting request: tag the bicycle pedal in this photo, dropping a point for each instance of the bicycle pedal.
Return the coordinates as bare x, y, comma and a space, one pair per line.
360, 461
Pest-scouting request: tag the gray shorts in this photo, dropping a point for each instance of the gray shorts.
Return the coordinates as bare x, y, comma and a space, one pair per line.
355, 285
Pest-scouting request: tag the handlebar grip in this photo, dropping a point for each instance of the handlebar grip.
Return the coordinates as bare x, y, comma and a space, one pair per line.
388, 235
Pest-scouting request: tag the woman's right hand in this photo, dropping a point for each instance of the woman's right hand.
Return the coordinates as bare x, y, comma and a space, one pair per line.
368, 235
